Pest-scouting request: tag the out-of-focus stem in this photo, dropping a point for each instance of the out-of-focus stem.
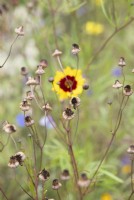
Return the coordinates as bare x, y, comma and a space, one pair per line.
9, 51
73, 161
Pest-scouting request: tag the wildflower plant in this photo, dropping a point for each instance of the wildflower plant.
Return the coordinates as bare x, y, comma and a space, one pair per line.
55, 99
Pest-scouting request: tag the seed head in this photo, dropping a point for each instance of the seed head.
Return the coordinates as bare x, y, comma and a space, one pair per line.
75, 49
19, 31
68, 114
56, 184
56, 53
44, 175
122, 62
117, 84
127, 90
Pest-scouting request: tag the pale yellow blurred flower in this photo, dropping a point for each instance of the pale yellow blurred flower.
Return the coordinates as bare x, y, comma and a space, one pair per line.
98, 2
106, 196
93, 28
126, 169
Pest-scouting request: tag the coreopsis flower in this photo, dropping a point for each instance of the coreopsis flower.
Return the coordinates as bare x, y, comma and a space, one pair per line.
93, 28
44, 175
75, 49
106, 196
19, 31
65, 175
117, 84
29, 121
68, 114
75, 102
83, 181
122, 62
56, 184
127, 90
9, 128
68, 83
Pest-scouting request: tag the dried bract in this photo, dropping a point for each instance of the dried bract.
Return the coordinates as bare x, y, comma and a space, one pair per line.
29, 121
127, 90
122, 62
56, 53
117, 84
24, 71
19, 31
75, 49
44, 175
31, 81
9, 128
56, 184
47, 107
40, 70
83, 181
25, 105
68, 114
65, 175
75, 102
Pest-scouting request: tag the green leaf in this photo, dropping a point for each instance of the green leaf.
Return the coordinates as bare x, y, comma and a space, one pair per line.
112, 176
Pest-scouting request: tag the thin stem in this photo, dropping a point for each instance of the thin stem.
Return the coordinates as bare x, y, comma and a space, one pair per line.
3, 193
73, 161
132, 165
42, 91
14, 142
131, 195
108, 39
35, 163
58, 195
43, 195
9, 51
77, 123
53, 13
111, 141
22, 187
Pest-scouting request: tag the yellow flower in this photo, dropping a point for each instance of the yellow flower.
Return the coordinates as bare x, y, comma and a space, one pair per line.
106, 196
126, 169
93, 28
68, 83
98, 2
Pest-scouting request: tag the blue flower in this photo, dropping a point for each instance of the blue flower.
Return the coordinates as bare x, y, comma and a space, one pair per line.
20, 120
116, 71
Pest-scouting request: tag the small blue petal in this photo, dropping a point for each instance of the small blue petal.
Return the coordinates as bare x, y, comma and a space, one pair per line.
116, 71
20, 120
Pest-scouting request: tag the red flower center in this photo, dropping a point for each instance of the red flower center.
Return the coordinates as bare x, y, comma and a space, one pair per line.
68, 83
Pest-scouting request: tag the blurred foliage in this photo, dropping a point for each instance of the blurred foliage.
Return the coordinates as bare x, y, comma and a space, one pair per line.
58, 24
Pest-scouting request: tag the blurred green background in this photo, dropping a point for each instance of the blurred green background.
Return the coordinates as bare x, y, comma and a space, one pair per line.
58, 24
